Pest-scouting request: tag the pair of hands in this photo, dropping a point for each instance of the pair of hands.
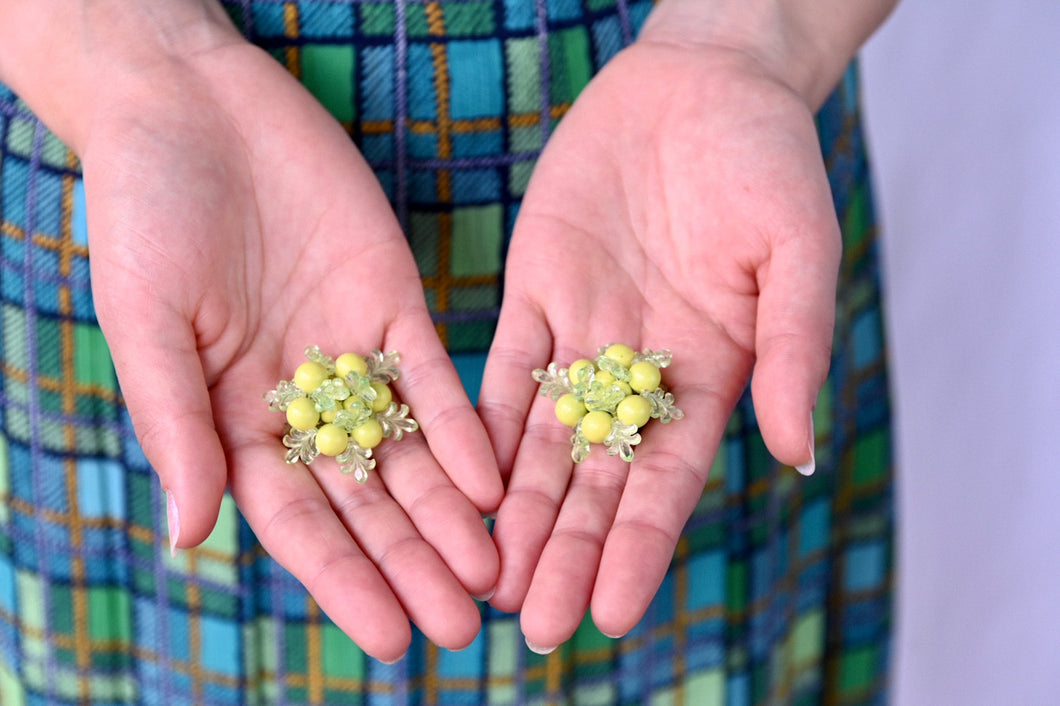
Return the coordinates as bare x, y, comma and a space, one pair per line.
681, 203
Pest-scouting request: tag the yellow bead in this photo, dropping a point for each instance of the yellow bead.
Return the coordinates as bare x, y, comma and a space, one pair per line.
369, 434
596, 426
328, 415
634, 410
309, 375
570, 410
332, 440
604, 376
574, 371
350, 363
624, 386
302, 414
644, 376
383, 396
620, 353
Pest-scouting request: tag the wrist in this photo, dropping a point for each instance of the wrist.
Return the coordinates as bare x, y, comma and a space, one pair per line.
64, 57
804, 46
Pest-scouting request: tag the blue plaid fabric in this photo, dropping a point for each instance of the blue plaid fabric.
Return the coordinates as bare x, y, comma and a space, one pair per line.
780, 589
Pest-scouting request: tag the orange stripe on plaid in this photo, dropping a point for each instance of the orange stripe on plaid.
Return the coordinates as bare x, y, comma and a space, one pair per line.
291, 53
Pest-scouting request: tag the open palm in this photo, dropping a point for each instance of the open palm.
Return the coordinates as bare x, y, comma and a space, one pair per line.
682, 203
232, 223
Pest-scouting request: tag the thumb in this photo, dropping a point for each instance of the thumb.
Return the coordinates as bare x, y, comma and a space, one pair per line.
793, 341
164, 388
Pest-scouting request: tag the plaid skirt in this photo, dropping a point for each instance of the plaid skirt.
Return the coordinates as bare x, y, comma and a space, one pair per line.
780, 588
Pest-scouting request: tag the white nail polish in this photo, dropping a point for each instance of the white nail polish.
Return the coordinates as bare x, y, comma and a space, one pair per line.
810, 466
539, 650
173, 521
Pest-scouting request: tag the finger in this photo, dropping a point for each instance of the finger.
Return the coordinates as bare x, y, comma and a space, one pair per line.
296, 524
440, 512
524, 522
429, 593
521, 343
793, 340
563, 580
666, 479
431, 386
162, 382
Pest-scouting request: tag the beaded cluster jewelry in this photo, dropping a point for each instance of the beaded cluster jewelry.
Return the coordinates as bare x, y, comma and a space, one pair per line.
341, 407
608, 399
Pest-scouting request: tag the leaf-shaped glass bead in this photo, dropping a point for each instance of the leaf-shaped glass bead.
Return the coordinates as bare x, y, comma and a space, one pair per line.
660, 358
301, 444
662, 406
554, 381
382, 367
285, 392
356, 460
620, 371
360, 386
580, 446
621, 440
396, 422
350, 419
314, 354
603, 397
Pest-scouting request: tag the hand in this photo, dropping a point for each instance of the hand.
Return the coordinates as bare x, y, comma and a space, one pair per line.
232, 223
682, 203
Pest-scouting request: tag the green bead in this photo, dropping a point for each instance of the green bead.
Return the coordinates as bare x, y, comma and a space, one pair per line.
644, 376
309, 375
383, 396
332, 440
620, 353
635, 410
350, 363
302, 414
574, 372
369, 434
596, 426
570, 410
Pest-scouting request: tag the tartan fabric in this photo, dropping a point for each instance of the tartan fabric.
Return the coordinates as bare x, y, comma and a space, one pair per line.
780, 589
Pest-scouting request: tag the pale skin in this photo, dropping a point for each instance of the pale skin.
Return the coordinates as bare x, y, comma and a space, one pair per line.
231, 222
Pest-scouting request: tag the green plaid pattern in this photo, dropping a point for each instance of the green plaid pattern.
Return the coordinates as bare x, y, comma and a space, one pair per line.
780, 589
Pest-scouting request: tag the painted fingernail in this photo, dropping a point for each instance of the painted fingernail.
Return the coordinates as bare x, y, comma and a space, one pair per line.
540, 650
810, 466
483, 597
173, 520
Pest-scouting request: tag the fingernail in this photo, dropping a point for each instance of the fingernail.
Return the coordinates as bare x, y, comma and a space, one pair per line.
388, 662
540, 650
613, 637
483, 597
810, 466
173, 520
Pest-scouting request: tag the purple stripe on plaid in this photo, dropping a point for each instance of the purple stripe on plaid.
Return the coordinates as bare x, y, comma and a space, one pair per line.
161, 603
64, 418
36, 448
401, 111
276, 588
623, 17
546, 68
74, 281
